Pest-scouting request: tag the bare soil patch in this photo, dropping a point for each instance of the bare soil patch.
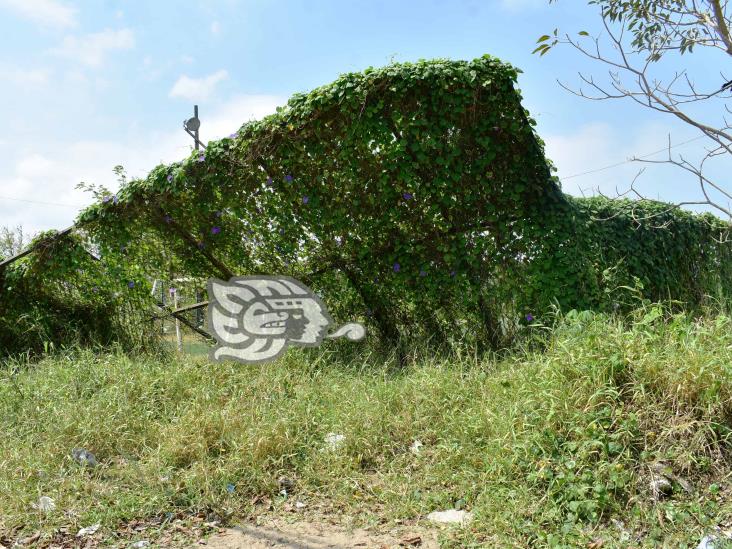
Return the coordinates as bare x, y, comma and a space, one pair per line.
276, 533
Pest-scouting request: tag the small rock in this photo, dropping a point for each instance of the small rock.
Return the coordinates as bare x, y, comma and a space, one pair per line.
140, 544
661, 487
84, 457
45, 504
300, 505
685, 484
334, 440
88, 531
416, 447
286, 483
451, 516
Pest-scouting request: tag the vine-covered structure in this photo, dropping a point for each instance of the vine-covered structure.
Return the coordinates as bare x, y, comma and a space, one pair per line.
416, 197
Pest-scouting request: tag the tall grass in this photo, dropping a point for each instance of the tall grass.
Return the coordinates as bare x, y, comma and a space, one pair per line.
549, 446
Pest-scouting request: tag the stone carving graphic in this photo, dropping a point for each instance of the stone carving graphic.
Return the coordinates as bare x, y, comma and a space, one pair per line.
255, 318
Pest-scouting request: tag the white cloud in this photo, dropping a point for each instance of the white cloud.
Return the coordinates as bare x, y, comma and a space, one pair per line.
47, 13
197, 89
51, 172
24, 77
91, 49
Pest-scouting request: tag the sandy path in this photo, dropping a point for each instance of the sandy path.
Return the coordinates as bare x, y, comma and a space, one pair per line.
309, 535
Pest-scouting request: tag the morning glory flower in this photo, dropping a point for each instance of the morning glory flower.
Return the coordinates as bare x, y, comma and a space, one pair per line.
168, 219
397, 267
452, 273
201, 245
202, 157
233, 136
529, 317
131, 284
218, 213
230, 488
407, 196
170, 178
215, 230
269, 181
106, 199
288, 178
172, 291
305, 199
422, 272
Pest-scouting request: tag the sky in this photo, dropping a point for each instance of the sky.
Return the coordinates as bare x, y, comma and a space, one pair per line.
92, 84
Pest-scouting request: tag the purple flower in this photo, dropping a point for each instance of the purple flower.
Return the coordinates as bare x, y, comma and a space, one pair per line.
452, 274
269, 181
168, 219
215, 230
170, 178
114, 199
201, 245
131, 284
408, 196
107, 199
397, 267
422, 272
529, 317
172, 291
218, 213
288, 178
202, 157
369, 312
233, 136
95, 289
305, 199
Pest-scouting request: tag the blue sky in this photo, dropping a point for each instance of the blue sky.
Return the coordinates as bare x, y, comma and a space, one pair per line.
91, 84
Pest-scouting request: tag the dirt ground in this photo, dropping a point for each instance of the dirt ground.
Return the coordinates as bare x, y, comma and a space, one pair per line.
310, 535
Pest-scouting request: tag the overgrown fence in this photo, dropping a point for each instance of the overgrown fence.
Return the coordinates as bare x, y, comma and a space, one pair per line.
415, 198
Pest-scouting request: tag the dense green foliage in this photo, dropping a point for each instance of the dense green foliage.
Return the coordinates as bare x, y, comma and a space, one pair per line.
415, 197
61, 295
547, 448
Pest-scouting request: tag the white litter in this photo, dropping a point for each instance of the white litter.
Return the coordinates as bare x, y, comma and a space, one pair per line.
88, 531
45, 504
451, 516
416, 447
334, 440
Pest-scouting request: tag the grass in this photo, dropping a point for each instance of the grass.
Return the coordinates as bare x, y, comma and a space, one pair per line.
551, 446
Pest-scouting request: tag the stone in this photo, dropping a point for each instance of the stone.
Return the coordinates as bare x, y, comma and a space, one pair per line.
84, 457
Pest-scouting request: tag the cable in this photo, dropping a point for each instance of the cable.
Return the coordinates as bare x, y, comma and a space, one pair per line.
629, 161
40, 202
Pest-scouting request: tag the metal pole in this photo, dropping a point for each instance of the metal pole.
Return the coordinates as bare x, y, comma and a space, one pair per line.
195, 115
178, 335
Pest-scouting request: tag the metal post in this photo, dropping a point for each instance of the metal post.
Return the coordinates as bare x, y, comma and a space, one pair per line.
178, 335
195, 115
